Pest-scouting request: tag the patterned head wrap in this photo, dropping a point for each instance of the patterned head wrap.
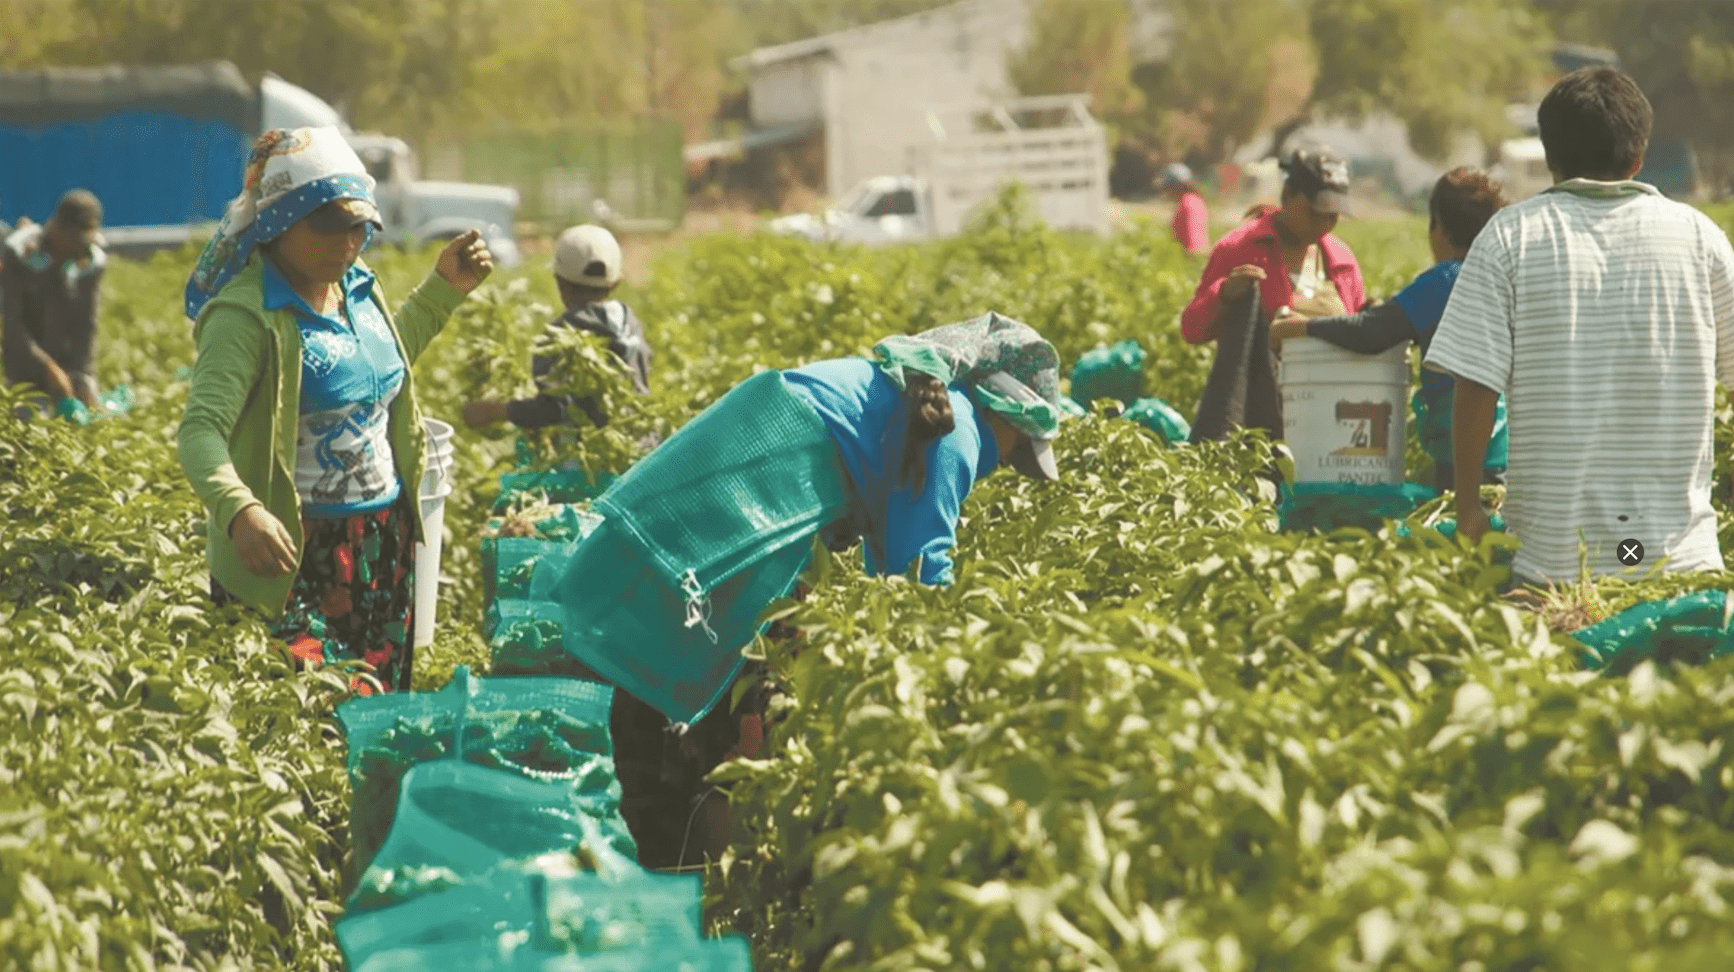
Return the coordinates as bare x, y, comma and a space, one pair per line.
290, 173
973, 351
1008, 367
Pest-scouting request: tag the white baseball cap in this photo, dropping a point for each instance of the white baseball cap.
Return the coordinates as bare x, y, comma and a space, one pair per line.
588, 255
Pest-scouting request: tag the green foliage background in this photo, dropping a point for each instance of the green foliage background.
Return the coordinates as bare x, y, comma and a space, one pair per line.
1143, 729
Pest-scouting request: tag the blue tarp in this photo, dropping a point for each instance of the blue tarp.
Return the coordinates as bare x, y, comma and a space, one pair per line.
148, 168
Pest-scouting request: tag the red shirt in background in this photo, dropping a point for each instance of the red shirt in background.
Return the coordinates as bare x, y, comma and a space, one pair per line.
1257, 243
1192, 223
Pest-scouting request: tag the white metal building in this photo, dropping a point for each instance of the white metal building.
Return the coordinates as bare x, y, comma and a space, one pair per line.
867, 89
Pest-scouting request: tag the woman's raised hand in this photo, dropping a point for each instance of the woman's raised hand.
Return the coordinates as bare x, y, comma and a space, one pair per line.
466, 261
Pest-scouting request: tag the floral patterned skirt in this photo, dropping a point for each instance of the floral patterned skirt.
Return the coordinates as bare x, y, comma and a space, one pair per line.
354, 596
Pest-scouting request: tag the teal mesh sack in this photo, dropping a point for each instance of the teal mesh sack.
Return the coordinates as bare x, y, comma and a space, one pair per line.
1449, 527
508, 563
697, 540
730, 954
1331, 506
589, 913
1160, 417
1115, 372
556, 485
1433, 429
486, 920
467, 820
499, 911
552, 730
1693, 629
525, 640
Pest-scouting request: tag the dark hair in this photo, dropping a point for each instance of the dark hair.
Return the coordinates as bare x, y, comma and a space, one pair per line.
79, 209
1463, 200
582, 293
1259, 211
1595, 124
930, 418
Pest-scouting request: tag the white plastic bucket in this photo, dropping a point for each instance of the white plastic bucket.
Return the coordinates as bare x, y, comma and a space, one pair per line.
436, 485
1345, 415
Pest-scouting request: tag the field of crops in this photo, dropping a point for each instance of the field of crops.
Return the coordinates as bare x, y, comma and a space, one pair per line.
1144, 730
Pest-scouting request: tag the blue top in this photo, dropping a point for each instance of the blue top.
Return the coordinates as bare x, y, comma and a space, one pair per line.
350, 373
1424, 302
866, 415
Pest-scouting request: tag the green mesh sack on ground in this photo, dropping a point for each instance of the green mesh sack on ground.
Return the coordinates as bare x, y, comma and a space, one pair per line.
711, 955
497, 912
552, 730
522, 629
525, 641
1115, 372
1332, 506
1693, 629
1433, 429
1160, 417
697, 540
586, 914
467, 820
508, 564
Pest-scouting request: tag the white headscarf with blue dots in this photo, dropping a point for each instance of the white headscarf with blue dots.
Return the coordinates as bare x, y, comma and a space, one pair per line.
290, 173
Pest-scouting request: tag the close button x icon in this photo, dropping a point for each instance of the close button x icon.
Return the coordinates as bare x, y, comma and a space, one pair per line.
1631, 553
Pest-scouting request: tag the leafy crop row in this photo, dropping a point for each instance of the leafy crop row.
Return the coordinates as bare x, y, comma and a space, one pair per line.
1144, 729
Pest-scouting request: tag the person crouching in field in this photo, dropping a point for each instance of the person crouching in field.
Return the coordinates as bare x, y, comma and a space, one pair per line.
50, 292
700, 536
1604, 313
1463, 200
302, 434
587, 268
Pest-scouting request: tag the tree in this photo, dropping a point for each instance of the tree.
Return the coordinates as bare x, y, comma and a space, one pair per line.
1682, 55
1441, 69
1211, 93
1079, 46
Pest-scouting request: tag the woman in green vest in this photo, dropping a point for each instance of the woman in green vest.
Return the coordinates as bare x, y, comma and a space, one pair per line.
302, 435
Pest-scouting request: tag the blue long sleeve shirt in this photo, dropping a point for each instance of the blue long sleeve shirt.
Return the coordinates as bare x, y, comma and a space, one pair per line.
867, 416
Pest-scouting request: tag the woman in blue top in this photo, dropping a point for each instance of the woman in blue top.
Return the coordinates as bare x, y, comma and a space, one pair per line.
701, 535
1463, 200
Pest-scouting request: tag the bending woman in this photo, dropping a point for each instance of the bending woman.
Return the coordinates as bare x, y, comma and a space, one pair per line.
704, 533
302, 435
1463, 200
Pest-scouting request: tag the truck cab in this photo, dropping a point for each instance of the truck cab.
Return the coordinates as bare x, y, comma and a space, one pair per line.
415, 212
883, 209
418, 213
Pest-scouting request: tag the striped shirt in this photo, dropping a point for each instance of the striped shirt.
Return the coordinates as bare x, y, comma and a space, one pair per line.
1604, 312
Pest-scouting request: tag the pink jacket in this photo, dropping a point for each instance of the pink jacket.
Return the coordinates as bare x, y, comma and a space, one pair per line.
1256, 242
1192, 223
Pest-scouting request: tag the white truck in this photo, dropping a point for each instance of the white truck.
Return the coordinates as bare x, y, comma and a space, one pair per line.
1050, 144
415, 211
164, 147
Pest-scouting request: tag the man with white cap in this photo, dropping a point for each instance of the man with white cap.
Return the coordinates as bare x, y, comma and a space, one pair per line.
587, 268
1191, 218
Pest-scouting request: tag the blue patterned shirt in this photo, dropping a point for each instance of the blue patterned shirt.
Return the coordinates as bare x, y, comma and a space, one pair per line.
351, 372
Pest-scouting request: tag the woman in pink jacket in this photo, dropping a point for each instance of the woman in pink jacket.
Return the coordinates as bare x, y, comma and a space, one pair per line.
1191, 219
1290, 255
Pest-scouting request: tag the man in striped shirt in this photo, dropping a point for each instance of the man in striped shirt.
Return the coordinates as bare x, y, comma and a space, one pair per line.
1605, 314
